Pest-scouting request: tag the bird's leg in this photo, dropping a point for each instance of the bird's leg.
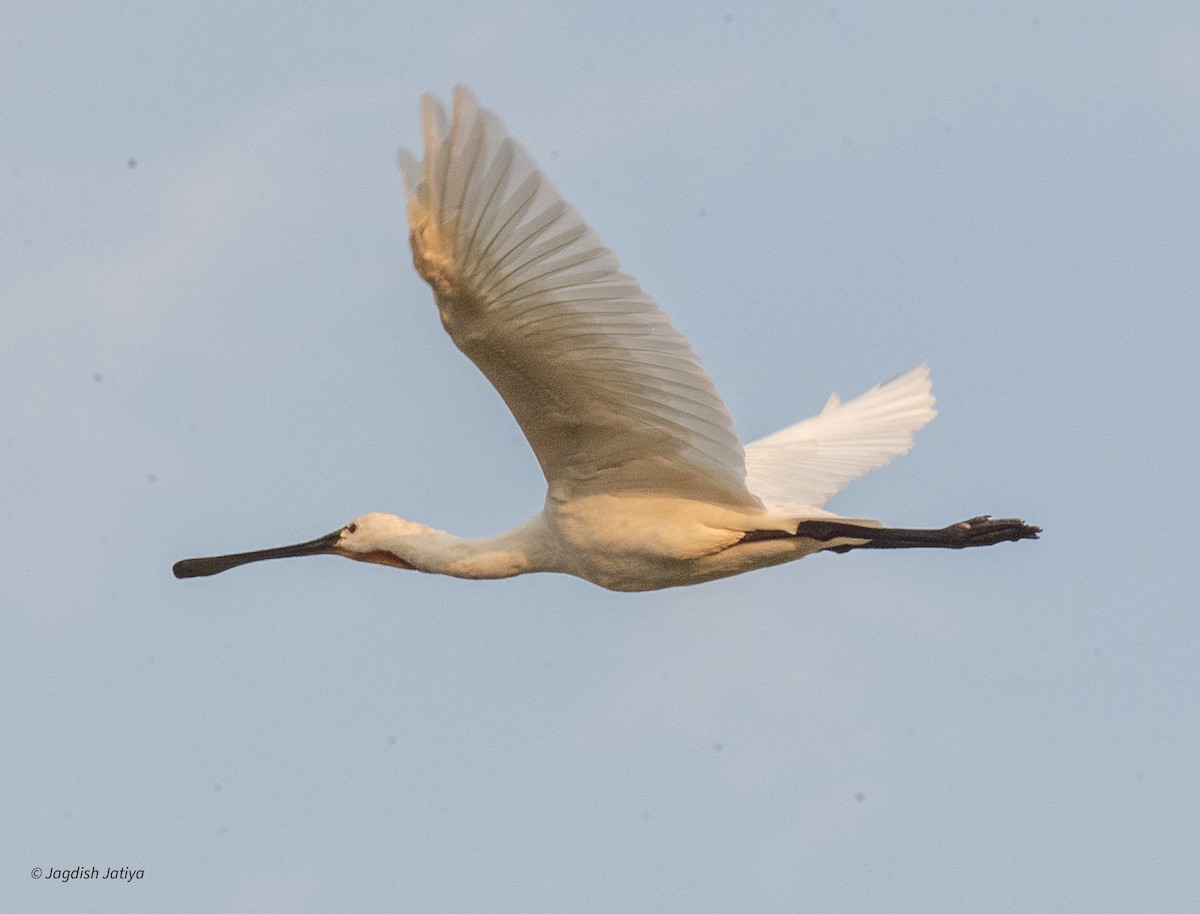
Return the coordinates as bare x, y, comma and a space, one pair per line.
978, 531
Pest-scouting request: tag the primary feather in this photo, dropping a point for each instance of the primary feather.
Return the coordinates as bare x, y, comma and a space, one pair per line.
609, 395
798, 468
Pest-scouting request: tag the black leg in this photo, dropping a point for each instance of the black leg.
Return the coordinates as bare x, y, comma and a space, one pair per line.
978, 531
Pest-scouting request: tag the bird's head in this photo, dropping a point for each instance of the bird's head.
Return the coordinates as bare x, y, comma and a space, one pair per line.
370, 538
374, 538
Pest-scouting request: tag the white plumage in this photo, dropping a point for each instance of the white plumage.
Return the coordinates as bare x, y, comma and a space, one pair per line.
647, 483
609, 395
800, 467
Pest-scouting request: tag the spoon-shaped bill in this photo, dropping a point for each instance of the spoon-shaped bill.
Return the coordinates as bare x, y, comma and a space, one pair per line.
202, 567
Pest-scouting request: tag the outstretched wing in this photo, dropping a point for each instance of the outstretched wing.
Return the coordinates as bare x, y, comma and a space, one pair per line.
801, 466
609, 395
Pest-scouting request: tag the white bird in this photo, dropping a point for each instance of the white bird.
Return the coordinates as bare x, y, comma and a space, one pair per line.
647, 483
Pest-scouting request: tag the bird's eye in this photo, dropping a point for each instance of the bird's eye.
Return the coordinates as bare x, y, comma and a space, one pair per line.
351, 528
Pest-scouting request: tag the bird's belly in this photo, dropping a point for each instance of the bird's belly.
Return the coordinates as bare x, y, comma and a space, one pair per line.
634, 571
641, 543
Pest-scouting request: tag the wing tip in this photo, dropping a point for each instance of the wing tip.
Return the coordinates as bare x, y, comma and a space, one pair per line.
841, 443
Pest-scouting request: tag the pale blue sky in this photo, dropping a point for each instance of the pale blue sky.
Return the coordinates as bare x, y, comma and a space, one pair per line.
213, 340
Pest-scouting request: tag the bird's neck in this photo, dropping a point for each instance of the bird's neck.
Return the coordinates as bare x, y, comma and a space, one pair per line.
522, 549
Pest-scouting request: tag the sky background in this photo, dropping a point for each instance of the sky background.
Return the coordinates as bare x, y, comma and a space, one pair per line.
213, 340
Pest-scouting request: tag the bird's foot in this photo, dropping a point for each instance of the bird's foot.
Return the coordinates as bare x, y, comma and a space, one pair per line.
986, 531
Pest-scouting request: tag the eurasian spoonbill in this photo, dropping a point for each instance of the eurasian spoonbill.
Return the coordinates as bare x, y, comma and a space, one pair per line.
647, 483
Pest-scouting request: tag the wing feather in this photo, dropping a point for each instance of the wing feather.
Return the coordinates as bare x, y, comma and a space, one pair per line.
801, 466
609, 395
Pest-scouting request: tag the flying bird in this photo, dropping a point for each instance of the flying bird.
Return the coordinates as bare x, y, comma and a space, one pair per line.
647, 485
